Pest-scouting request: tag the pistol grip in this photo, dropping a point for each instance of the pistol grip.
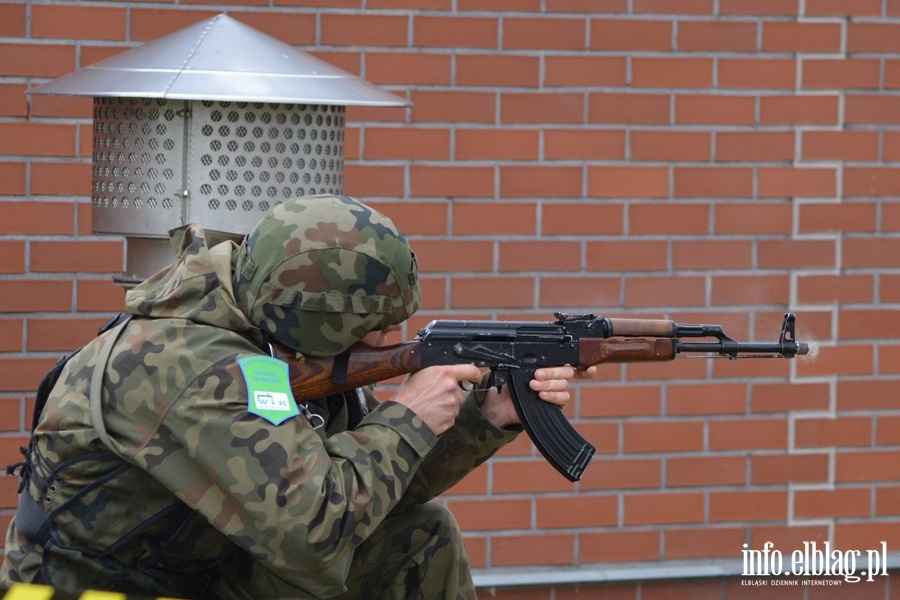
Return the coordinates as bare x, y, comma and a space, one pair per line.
548, 428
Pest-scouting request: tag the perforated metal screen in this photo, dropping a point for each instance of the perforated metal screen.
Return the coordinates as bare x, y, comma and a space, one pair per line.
159, 164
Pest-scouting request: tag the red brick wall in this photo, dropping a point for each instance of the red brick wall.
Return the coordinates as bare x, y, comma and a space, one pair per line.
701, 160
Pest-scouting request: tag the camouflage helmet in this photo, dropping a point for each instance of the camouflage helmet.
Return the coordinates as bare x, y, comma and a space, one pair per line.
320, 272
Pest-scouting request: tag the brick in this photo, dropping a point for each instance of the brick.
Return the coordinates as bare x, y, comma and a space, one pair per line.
12, 256
619, 546
582, 218
452, 181
887, 432
789, 36
708, 542
686, 7
36, 60
291, 28
841, 74
37, 139
540, 256
858, 466
747, 506
627, 255
454, 32
631, 108
13, 102
22, 375
839, 432
761, 146
796, 254
541, 182
712, 254
346, 29
542, 107
830, 8
61, 335
36, 218
713, 182
492, 218
492, 293
518, 550
99, 295
76, 257
60, 179
878, 110
584, 6
620, 401
662, 436
637, 35
840, 145
869, 323
30, 295
498, 70
757, 218
628, 182
412, 144
751, 289
667, 72
78, 22
497, 144
716, 36
438, 256
773, 469
873, 37
11, 337
828, 504
522, 476
870, 252
148, 24
887, 501
13, 20
669, 219
706, 399
571, 292
799, 110
474, 515
757, 73
584, 144
758, 8
373, 180
416, 218
874, 181
616, 474
797, 182
709, 109
416, 68
669, 145
454, 107
73, 107
848, 359
842, 289
584, 70
758, 433
648, 292
665, 509
579, 511
705, 471
529, 33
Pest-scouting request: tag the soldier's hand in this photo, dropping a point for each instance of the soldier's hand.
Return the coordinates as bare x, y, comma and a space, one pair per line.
435, 394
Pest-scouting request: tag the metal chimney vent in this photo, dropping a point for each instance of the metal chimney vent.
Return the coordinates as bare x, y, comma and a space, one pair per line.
213, 124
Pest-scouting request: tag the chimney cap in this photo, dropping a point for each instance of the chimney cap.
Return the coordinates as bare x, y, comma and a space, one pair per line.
225, 60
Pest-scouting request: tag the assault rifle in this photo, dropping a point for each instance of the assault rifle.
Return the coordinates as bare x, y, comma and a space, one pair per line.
512, 350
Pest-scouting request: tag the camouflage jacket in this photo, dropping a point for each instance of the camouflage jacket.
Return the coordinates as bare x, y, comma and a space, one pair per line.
194, 484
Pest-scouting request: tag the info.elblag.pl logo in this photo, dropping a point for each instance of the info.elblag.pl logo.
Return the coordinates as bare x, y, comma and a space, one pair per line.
813, 560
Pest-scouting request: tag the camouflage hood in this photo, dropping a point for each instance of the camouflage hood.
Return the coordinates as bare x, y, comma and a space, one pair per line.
320, 272
198, 287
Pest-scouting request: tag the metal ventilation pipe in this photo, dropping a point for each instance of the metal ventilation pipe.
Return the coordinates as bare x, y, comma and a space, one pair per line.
212, 124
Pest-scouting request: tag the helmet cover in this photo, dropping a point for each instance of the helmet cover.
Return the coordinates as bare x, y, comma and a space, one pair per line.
320, 272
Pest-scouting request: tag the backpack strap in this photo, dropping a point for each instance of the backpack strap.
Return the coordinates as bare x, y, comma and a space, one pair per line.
96, 390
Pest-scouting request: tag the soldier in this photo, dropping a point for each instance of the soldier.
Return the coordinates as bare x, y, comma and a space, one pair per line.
157, 468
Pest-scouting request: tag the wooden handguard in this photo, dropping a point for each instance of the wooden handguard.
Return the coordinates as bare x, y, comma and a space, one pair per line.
642, 327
